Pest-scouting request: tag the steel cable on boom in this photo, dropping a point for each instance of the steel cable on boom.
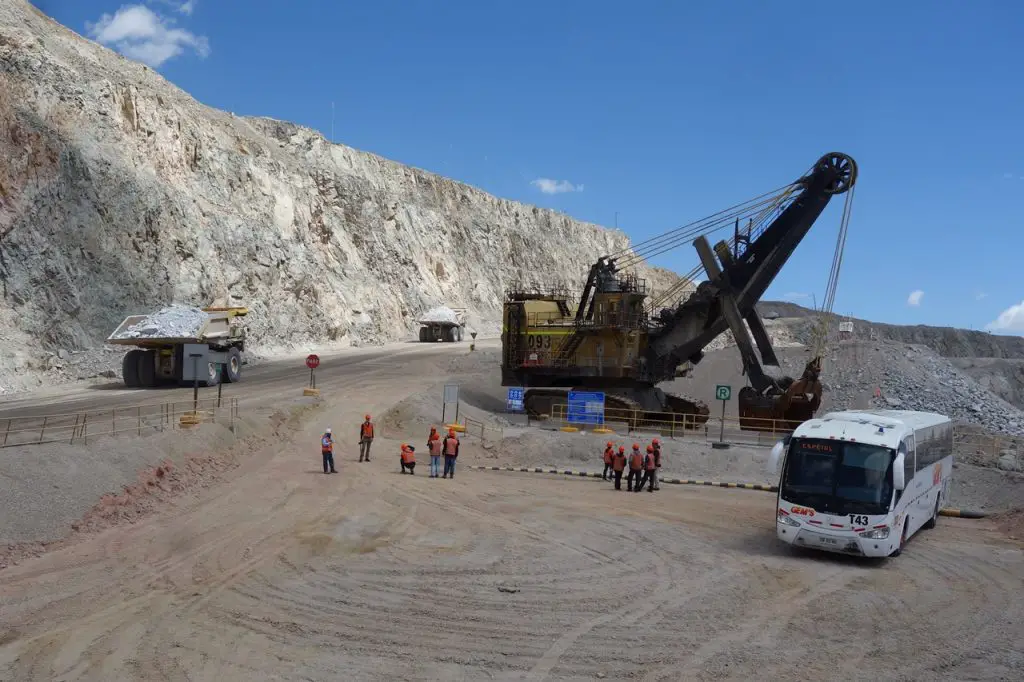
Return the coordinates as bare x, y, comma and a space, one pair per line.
825, 313
660, 243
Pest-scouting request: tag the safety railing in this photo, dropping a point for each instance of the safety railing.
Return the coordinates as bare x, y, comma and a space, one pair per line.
967, 440
139, 420
487, 435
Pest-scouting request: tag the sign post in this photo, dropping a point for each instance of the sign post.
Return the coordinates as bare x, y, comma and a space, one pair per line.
312, 362
723, 393
514, 400
195, 381
585, 407
451, 395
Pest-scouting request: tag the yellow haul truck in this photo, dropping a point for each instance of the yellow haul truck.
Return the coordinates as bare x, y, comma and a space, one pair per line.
180, 343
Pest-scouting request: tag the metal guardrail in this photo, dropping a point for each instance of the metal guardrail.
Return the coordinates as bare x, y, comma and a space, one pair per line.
138, 419
488, 435
675, 425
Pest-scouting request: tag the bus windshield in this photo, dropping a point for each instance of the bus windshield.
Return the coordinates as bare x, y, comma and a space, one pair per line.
838, 477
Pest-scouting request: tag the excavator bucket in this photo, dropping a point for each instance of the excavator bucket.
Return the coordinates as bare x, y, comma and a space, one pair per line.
782, 412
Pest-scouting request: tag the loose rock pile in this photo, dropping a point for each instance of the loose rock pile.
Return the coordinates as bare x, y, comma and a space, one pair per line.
174, 322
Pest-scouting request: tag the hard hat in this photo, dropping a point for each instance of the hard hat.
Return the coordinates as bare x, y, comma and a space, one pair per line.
328, 430
609, 444
636, 446
650, 448
656, 441
622, 448
451, 432
433, 428
367, 417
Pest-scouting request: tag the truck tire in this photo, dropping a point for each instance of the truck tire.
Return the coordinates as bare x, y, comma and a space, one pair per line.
449, 334
233, 367
458, 335
423, 334
147, 368
130, 369
213, 377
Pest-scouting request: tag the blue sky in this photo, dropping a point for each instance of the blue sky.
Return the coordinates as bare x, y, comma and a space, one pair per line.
662, 112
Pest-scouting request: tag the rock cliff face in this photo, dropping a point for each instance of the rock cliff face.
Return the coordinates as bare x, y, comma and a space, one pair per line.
120, 194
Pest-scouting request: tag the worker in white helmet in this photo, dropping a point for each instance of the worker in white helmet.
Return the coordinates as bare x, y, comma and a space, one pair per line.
327, 450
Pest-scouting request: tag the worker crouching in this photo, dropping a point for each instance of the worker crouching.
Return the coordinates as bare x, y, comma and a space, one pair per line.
408, 458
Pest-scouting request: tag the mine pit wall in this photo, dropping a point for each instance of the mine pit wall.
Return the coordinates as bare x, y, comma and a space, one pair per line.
119, 194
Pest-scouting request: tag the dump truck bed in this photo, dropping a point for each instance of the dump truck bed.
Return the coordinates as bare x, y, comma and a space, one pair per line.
216, 324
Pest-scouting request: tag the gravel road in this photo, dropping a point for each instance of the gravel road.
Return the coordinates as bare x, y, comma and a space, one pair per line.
280, 572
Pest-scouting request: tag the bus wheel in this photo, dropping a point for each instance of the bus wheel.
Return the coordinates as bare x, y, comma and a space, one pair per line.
930, 523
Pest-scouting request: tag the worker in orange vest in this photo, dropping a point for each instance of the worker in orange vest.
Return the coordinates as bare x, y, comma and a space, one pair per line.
636, 467
609, 450
408, 458
365, 438
434, 448
450, 448
656, 444
649, 471
327, 450
618, 465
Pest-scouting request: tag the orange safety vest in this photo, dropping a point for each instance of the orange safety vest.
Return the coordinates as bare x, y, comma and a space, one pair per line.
435, 446
608, 452
408, 456
367, 430
619, 461
326, 444
636, 461
649, 462
451, 446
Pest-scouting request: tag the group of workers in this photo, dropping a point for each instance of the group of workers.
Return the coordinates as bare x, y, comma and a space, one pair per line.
643, 466
448, 447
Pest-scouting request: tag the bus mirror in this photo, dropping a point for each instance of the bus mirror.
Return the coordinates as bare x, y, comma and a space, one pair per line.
897, 472
775, 458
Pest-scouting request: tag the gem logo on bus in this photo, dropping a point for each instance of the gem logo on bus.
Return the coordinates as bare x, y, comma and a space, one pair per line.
802, 511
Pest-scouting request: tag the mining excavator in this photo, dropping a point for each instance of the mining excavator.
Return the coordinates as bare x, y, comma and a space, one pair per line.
613, 339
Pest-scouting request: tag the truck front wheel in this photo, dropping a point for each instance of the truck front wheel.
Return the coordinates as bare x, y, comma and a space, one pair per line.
233, 367
147, 368
130, 368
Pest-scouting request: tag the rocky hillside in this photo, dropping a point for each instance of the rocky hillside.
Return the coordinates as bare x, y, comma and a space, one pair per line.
120, 194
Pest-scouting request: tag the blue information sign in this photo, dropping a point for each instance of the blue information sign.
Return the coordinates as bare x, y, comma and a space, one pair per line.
514, 401
586, 407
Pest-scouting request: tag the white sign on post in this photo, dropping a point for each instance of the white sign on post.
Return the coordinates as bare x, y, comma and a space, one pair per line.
451, 393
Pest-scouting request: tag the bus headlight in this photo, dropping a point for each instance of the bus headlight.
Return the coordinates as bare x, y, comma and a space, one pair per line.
785, 518
876, 533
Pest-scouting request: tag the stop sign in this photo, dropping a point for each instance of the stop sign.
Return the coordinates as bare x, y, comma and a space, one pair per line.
312, 361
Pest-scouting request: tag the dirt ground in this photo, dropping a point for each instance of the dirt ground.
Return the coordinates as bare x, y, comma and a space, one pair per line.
276, 571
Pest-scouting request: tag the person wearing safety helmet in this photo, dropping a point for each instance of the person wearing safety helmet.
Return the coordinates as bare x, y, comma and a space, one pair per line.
365, 438
656, 444
636, 467
327, 450
609, 450
618, 466
450, 448
434, 448
650, 471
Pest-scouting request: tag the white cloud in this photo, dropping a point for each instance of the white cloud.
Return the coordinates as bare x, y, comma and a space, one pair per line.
1010, 320
915, 297
139, 33
549, 186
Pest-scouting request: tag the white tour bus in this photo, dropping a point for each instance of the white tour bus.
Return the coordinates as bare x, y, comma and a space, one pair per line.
862, 482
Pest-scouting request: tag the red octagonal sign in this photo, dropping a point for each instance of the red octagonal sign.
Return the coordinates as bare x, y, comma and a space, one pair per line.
312, 361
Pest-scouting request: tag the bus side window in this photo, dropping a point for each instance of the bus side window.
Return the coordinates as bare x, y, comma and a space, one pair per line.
909, 467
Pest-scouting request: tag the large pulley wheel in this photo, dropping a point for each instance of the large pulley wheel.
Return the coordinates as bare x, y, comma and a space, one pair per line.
843, 170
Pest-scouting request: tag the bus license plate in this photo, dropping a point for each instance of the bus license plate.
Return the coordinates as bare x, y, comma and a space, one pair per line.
828, 541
